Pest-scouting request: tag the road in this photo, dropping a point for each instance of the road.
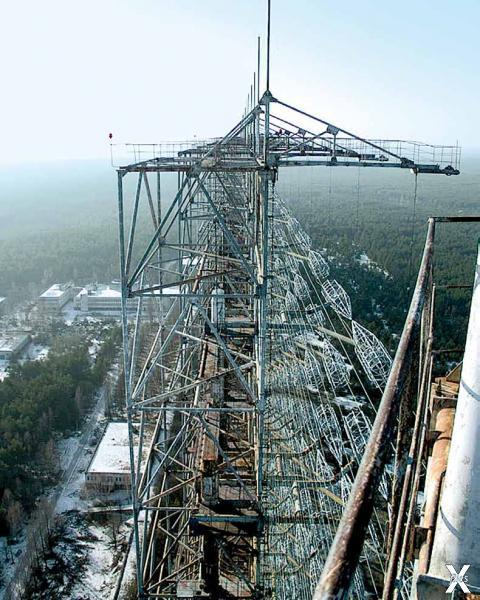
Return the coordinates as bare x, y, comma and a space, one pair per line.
90, 424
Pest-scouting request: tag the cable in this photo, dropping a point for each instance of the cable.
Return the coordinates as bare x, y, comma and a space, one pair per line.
412, 238
358, 206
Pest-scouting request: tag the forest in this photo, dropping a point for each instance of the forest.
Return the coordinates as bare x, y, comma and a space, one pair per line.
354, 213
63, 227
40, 401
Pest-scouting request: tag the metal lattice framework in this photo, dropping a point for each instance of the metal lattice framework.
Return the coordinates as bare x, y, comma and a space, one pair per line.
249, 386
317, 418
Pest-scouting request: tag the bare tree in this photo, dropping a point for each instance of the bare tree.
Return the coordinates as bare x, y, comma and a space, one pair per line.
13, 516
50, 456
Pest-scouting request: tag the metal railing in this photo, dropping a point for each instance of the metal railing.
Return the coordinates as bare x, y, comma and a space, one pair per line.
400, 422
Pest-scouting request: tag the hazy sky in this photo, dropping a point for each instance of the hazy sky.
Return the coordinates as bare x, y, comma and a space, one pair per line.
152, 70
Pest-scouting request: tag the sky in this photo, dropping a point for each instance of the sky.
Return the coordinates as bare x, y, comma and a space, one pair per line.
155, 70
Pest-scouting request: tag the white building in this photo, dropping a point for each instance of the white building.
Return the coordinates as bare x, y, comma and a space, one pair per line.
99, 298
55, 298
109, 469
102, 298
12, 343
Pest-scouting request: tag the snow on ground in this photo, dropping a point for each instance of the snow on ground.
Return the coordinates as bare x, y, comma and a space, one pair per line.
93, 348
36, 352
365, 261
69, 313
66, 448
91, 319
102, 562
75, 454
129, 573
73, 496
10, 556
83, 559
88, 549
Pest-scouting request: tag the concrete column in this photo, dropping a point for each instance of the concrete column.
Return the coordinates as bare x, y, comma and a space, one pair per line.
457, 535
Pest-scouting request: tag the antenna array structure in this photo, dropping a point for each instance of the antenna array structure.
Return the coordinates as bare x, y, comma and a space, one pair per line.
250, 387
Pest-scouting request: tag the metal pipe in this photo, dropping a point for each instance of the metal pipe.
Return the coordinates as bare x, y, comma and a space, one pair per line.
403, 528
268, 45
457, 536
258, 69
126, 363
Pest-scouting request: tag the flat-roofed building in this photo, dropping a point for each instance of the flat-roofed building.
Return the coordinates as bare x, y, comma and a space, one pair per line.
12, 344
109, 469
107, 298
99, 298
55, 298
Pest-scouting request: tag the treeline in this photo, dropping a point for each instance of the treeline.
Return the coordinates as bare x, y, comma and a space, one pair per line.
40, 400
350, 213
84, 254
30, 264
60, 224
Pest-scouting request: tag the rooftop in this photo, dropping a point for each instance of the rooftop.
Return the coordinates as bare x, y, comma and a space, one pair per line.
55, 291
101, 291
113, 453
111, 291
10, 341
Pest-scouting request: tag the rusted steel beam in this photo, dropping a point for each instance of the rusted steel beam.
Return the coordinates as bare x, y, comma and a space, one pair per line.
455, 219
418, 453
403, 517
344, 554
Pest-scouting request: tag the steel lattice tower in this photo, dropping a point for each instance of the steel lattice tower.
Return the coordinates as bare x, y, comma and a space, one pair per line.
240, 459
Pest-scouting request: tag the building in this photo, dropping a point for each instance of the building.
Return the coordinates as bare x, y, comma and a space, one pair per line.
109, 469
12, 344
55, 298
99, 298
3, 305
107, 298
